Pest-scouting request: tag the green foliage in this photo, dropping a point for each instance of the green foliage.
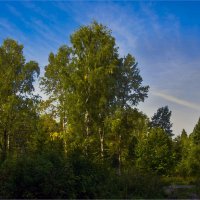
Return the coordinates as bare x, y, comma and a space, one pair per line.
87, 140
18, 74
188, 165
162, 119
17, 104
181, 148
129, 88
40, 176
50, 175
134, 184
193, 160
196, 133
89, 82
125, 127
154, 152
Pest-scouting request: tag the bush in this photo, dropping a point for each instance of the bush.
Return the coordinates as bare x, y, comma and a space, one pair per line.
51, 175
44, 176
135, 184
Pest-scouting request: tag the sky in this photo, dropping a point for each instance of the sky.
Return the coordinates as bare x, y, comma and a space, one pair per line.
163, 36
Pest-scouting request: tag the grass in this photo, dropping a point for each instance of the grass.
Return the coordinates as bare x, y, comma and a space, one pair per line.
171, 180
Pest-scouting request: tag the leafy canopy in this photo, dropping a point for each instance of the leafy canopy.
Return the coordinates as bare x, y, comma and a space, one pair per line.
162, 119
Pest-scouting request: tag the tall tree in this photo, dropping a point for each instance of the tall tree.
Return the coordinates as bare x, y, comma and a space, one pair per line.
54, 80
86, 83
129, 88
16, 87
95, 60
162, 119
126, 127
196, 133
184, 134
180, 145
93, 81
154, 152
57, 84
129, 92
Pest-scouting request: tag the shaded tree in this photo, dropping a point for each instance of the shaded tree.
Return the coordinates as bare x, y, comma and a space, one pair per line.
53, 83
93, 81
17, 104
162, 119
196, 133
154, 152
129, 88
125, 129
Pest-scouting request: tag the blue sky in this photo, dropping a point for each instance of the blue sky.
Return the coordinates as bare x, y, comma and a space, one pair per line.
163, 37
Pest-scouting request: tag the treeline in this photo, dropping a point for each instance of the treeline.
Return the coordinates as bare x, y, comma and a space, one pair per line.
87, 139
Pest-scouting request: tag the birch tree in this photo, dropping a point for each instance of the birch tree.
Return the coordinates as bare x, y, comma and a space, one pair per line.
93, 81
16, 87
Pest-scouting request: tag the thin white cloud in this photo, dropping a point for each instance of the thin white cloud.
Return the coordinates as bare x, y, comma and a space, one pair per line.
4, 24
13, 10
176, 100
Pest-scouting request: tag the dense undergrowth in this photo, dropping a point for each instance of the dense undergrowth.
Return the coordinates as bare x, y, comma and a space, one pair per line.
51, 175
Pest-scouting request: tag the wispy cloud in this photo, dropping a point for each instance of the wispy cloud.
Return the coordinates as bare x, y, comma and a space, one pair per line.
167, 52
13, 10
176, 100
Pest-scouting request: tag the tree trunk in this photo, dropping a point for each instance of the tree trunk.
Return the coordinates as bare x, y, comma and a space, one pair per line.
8, 145
87, 120
101, 136
64, 131
5, 145
119, 156
87, 123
